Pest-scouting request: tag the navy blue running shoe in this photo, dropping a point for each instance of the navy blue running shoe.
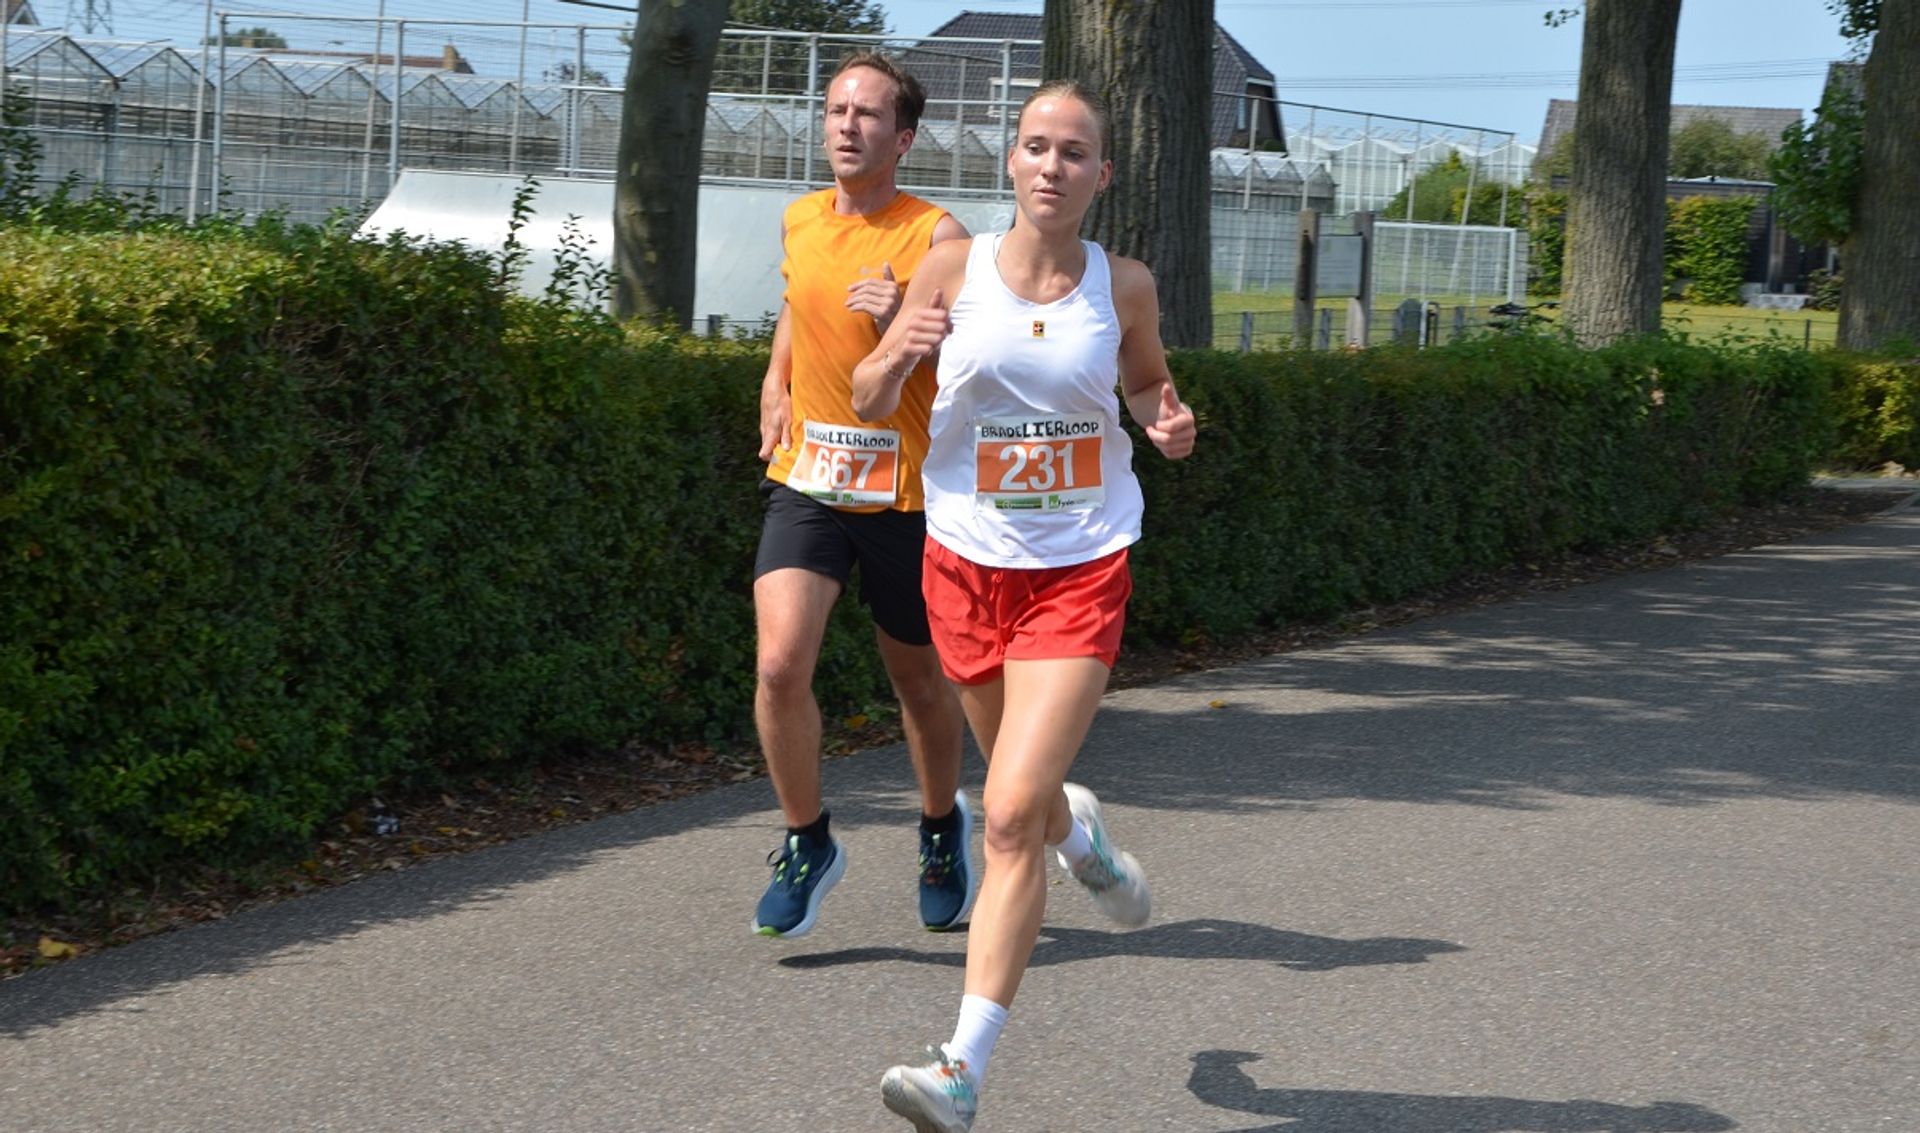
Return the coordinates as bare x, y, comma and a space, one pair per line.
803, 871
948, 881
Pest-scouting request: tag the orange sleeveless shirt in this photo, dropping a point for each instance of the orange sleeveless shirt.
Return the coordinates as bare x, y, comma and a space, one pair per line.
825, 252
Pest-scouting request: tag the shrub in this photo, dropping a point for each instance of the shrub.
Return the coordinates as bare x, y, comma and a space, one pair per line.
287, 517
1707, 245
1879, 413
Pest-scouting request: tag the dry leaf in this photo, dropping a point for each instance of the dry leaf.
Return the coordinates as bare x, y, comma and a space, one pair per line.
1216, 704
857, 720
51, 949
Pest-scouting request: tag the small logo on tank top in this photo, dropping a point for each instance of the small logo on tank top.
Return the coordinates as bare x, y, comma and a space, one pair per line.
1039, 328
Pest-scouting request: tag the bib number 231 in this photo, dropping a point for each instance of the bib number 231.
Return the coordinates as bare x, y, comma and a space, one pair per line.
843, 465
1038, 463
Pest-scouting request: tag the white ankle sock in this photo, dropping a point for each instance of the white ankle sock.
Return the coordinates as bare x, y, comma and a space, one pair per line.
976, 1032
1077, 844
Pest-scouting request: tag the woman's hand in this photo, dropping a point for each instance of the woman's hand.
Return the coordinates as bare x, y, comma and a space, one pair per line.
1172, 429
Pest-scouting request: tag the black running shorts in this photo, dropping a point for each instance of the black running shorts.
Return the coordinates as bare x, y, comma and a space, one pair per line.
803, 532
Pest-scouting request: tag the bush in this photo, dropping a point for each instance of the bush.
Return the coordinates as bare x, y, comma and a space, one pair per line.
1326, 481
1823, 289
1707, 245
286, 518
1879, 414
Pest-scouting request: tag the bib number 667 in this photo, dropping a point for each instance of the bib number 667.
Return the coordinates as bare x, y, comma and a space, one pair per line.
840, 468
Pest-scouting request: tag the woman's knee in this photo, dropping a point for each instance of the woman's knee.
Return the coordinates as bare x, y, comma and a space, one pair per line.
1017, 820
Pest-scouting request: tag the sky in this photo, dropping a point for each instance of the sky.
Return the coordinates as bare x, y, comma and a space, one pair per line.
1481, 63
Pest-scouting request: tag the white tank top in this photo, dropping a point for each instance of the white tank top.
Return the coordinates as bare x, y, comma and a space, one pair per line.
1029, 466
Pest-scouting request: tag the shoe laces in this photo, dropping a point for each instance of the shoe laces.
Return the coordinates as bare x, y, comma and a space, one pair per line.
790, 866
955, 1079
935, 862
1098, 872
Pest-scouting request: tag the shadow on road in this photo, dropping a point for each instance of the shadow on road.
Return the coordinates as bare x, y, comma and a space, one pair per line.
1219, 1080
1181, 940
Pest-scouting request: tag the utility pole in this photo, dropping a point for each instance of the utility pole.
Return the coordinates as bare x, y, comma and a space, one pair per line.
92, 15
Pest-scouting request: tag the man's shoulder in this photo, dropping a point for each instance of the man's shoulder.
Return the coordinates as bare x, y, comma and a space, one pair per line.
811, 205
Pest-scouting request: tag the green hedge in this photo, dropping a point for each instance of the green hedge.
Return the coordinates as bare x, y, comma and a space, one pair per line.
1707, 246
1325, 481
1879, 414
286, 518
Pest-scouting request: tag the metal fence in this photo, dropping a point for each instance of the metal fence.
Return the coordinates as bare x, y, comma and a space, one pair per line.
307, 131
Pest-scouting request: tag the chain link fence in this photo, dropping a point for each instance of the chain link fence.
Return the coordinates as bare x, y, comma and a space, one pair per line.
328, 127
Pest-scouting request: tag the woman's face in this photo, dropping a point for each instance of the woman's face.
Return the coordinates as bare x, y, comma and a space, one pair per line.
1057, 165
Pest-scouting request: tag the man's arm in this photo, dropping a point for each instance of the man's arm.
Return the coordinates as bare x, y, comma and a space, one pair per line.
776, 396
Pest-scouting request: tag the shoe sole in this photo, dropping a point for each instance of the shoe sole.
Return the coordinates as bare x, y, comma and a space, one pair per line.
973, 875
827, 881
907, 1103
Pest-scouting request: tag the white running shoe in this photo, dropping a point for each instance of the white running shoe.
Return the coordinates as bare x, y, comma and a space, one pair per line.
1115, 879
938, 1097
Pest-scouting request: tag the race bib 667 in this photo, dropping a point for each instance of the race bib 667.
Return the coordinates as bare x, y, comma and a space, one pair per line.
845, 465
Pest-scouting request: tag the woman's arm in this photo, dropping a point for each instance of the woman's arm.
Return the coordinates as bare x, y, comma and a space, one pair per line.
916, 333
1145, 381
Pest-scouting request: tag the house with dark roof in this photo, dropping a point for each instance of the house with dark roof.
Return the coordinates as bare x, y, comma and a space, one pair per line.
1848, 77
449, 59
965, 79
1767, 121
19, 13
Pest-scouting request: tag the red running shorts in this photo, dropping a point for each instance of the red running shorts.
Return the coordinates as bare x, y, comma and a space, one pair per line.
982, 616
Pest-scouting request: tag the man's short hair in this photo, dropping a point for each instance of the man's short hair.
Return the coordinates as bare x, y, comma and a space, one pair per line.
909, 99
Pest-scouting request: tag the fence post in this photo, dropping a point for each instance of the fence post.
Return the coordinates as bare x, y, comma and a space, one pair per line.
1459, 323
1246, 332
1360, 307
199, 118
219, 121
393, 115
575, 97
1325, 337
1305, 286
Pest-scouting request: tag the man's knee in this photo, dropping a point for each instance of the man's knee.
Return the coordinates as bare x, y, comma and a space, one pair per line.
786, 671
920, 684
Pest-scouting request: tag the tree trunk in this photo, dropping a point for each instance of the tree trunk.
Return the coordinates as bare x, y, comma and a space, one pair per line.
656, 193
1152, 60
1617, 203
1880, 300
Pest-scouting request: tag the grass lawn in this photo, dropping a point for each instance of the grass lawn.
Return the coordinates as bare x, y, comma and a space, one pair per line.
1273, 319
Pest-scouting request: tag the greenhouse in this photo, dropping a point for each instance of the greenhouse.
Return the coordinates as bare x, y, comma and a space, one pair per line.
310, 133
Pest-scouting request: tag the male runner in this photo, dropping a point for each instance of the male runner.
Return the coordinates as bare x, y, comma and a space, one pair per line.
840, 491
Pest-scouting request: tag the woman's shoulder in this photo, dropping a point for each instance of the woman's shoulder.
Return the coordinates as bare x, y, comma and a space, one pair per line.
1130, 276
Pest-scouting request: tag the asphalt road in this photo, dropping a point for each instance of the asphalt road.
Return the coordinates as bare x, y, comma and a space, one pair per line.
1637, 857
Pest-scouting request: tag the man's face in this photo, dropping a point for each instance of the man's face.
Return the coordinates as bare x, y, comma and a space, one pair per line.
862, 138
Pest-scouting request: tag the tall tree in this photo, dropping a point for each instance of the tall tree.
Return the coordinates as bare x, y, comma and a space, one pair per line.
1152, 60
1617, 203
249, 37
656, 192
1709, 146
1880, 301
